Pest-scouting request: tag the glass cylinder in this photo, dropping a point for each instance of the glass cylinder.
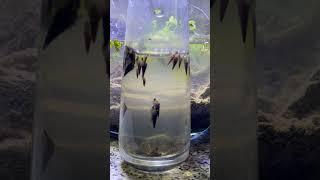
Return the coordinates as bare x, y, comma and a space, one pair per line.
154, 131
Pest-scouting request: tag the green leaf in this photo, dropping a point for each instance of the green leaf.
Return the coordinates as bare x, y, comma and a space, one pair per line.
116, 44
192, 25
111, 44
172, 23
157, 11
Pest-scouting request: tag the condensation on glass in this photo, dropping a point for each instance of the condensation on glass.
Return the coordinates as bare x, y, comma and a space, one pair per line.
154, 131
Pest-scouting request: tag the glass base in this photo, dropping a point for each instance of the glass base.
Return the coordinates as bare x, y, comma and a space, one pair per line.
155, 164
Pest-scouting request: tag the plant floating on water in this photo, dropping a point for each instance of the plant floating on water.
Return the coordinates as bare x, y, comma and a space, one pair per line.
177, 58
116, 44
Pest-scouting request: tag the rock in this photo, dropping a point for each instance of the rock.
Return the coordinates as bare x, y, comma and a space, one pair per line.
262, 118
117, 29
19, 24
10, 133
20, 62
291, 154
316, 121
15, 159
160, 145
114, 118
16, 104
307, 104
265, 105
200, 115
206, 93
115, 92
316, 76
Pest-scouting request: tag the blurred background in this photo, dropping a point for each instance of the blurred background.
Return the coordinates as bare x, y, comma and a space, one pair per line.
288, 80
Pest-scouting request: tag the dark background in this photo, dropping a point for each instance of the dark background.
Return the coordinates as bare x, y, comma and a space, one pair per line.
288, 80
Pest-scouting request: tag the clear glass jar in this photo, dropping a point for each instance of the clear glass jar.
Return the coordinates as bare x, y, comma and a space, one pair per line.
154, 131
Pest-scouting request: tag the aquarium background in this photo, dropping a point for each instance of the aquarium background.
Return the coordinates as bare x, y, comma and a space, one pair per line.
288, 80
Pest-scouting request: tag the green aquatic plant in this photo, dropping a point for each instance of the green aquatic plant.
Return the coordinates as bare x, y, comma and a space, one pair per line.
116, 44
169, 28
168, 32
171, 24
205, 48
192, 25
200, 49
157, 11
165, 33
